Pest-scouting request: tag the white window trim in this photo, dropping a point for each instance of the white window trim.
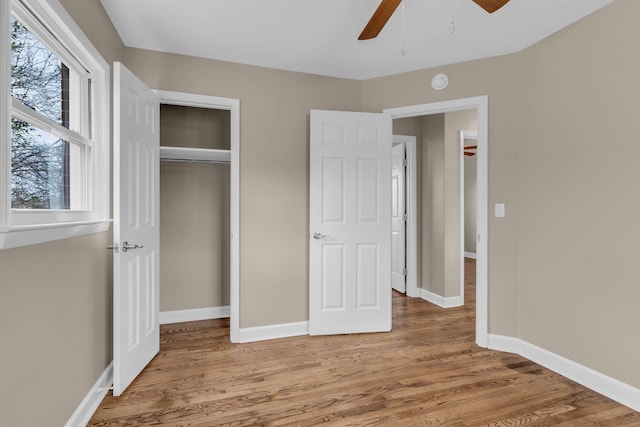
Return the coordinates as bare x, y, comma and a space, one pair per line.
21, 228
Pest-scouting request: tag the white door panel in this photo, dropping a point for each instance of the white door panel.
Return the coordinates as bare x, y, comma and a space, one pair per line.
398, 222
350, 215
136, 332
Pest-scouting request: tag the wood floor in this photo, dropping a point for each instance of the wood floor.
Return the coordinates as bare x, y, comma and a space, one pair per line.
426, 372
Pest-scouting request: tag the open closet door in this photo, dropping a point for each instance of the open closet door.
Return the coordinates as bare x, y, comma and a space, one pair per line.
350, 223
136, 328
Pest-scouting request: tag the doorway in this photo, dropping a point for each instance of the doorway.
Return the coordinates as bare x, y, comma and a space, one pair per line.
230, 156
480, 105
194, 213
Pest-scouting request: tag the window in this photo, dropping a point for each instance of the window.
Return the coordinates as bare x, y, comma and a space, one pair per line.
56, 146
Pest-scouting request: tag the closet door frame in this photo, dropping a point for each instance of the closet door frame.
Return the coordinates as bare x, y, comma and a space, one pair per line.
233, 106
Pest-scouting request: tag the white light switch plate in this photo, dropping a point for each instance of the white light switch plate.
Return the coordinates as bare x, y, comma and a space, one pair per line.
499, 210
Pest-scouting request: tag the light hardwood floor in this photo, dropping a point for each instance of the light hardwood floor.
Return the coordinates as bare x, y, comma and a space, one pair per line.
426, 372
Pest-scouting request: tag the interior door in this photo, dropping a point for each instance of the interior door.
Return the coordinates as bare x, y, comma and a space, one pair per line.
350, 223
398, 219
136, 330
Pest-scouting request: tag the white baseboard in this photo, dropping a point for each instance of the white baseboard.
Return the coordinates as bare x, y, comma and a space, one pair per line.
612, 388
194, 314
92, 400
469, 255
440, 301
270, 332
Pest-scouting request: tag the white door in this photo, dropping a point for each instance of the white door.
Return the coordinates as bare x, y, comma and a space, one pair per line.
350, 223
398, 219
136, 329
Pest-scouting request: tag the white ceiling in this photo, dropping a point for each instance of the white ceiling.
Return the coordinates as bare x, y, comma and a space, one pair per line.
320, 36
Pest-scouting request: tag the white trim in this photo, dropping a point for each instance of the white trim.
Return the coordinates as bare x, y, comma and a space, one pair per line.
440, 301
617, 390
271, 332
33, 234
412, 209
504, 343
233, 106
5, 108
481, 104
471, 255
92, 400
194, 314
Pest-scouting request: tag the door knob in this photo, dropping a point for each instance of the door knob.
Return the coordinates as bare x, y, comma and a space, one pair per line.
125, 247
128, 246
318, 236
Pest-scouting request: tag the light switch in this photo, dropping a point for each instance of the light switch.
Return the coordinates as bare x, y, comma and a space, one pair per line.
499, 210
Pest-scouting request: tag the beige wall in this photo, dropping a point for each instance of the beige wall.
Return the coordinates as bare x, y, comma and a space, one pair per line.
577, 199
194, 127
194, 212
55, 300
432, 203
563, 159
274, 140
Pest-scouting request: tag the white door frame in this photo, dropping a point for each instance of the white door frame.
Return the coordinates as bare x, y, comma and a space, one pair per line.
463, 135
233, 106
411, 180
481, 105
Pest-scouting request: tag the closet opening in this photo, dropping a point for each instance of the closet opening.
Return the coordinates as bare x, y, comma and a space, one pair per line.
195, 213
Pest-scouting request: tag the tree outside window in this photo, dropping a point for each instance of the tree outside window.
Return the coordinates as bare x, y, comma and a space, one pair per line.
39, 160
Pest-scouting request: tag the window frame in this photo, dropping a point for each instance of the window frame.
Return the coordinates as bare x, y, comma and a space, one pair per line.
20, 227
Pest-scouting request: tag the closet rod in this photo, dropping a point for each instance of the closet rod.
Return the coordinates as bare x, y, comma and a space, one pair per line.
165, 159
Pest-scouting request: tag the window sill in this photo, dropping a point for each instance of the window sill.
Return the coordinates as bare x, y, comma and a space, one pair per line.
25, 235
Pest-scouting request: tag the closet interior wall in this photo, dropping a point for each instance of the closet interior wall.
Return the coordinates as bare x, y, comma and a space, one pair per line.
194, 212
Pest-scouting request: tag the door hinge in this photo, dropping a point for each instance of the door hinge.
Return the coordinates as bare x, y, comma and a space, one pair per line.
404, 162
405, 271
405, 216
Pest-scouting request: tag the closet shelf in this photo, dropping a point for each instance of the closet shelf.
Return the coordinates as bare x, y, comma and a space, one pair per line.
185, 154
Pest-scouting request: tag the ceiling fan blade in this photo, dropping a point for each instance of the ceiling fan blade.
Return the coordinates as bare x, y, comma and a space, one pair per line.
379, 19
468, 153
491, 5
470, 147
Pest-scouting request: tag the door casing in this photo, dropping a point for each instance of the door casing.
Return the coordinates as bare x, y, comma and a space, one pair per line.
233, 106
481, 105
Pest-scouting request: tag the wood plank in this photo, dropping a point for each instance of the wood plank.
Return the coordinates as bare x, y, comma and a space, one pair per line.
427, 371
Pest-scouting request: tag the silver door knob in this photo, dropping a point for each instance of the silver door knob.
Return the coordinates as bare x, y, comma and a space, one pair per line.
318, 236
127, 246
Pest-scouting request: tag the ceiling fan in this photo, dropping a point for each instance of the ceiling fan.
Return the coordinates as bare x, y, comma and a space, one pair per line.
387, 7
